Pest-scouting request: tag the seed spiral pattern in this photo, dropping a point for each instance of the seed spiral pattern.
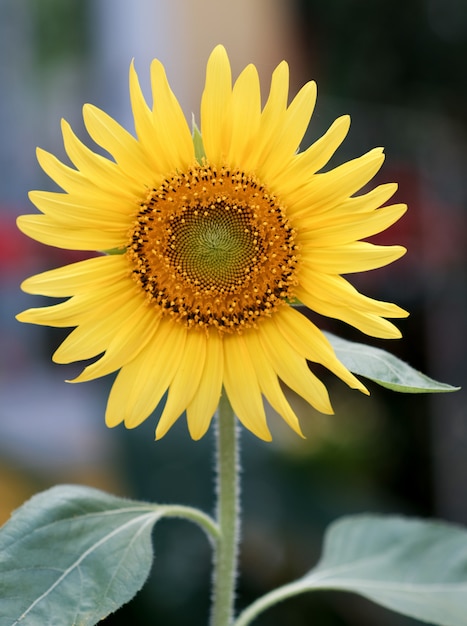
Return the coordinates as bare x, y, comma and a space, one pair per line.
213, 248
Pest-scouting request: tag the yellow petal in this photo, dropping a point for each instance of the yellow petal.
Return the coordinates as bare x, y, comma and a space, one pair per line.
124, 148
348, 227
272, 117
337, 289
245, 117
46, 230
292, 368
268, 381
327, 190
286, 141
140, 384
170, 123
93, 337
185, 382
215, 106
65, 176
103, 172
71, 212
357, 256
369, 323
305, 164
318, 154
130, 330
310, 343
82, 307
69, 280
206, 399
242, 387
84, 342
93, 188
364, 202
146, 130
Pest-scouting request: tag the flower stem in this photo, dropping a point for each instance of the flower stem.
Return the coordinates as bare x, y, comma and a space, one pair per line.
228, 489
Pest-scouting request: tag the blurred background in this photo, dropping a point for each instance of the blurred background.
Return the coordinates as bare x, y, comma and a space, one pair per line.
398, 68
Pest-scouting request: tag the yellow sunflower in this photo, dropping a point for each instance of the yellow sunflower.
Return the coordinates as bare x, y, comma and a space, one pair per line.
215, 234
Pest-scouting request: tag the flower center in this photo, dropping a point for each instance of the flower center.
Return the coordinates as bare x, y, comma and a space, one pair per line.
212, 248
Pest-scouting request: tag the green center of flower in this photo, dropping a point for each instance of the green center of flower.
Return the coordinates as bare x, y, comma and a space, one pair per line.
213, 248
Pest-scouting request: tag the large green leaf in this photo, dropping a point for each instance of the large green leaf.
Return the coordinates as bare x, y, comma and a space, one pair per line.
414, 567
72, 555
384, 368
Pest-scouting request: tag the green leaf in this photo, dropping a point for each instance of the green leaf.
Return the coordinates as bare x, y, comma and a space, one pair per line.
72, 555
415, 567
384, 368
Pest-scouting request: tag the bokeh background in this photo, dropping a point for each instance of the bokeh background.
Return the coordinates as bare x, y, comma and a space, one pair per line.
398, 67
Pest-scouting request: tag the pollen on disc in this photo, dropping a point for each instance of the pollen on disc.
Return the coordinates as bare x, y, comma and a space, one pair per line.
212, 248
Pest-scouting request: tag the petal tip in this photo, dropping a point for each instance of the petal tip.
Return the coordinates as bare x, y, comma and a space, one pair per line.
112, 420
219, 50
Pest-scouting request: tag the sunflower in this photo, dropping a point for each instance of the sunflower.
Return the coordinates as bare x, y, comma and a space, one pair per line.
215, 234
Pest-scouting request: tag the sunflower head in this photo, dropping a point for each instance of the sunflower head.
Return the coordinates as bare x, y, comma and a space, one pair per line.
218, 230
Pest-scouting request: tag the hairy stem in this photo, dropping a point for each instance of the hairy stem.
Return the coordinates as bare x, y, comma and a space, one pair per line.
228, 488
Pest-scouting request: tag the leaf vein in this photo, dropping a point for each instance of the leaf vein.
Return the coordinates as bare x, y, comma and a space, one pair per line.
82, 557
